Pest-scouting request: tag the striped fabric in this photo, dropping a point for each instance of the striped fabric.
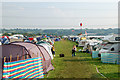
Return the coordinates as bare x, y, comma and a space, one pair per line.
110, 58
29, 68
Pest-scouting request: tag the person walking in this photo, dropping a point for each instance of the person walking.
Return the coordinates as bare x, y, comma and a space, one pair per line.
53, 50
74, 50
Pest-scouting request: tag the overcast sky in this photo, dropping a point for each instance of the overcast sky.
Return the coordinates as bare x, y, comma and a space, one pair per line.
62, 15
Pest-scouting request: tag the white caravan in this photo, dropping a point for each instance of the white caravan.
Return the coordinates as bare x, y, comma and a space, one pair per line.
90, 44
112, 44
91, 40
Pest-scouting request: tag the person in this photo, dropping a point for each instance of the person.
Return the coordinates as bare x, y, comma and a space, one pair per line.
53, 50
74, 50
87, 50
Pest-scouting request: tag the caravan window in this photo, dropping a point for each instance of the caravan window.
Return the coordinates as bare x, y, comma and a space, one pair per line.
112, 49
117, 38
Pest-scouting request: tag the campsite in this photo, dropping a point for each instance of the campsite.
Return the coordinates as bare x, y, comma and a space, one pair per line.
89, 60
60, 39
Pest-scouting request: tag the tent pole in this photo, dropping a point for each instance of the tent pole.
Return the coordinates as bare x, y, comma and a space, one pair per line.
27, 56
23, 55
37, 54
17, 57
4, 59
10, 57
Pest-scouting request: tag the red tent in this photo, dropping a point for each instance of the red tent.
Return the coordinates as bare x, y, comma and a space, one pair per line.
5, 36
31, 39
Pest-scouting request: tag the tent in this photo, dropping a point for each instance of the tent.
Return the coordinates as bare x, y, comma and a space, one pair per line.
41, 42
57, 39
38, 51
48, 48
45, 39
31, 39
4, 40
45, 43
16, 37
14, 50
5, 37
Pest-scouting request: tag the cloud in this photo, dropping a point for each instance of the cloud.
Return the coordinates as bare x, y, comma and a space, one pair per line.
21, 8
5, 5
51, 7
60, 0
56, 11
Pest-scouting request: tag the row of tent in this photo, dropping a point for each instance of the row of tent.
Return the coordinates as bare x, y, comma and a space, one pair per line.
106, 48
24, 49
18, 37
20, 48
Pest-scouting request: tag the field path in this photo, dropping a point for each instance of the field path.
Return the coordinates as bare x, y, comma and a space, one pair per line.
71, 67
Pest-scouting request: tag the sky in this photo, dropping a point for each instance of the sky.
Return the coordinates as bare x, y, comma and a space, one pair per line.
60, 15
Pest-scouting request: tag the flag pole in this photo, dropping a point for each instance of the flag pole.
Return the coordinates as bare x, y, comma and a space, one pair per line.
81, 27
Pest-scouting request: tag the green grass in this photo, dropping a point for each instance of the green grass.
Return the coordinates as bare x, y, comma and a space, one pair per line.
80, 66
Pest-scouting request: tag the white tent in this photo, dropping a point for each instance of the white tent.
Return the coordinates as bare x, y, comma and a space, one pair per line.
48, 48
16, 36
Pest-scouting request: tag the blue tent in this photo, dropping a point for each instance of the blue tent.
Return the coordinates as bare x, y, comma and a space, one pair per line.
57, 39
4, 40
39, 38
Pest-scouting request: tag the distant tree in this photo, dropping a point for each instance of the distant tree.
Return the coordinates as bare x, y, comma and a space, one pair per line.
6, 34
31, 35
59, 32
13, 33
38, 34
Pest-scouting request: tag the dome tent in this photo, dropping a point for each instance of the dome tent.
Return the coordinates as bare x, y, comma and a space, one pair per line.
14, 51
48, 48
38, 51
44, 42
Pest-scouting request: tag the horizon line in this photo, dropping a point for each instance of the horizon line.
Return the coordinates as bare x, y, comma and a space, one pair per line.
57, 28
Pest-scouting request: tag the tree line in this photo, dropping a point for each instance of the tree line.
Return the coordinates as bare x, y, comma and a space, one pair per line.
59, 32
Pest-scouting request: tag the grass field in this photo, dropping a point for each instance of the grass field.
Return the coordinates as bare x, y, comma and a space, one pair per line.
80, 66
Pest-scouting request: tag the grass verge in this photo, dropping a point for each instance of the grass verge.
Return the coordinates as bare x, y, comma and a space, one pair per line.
80, 66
